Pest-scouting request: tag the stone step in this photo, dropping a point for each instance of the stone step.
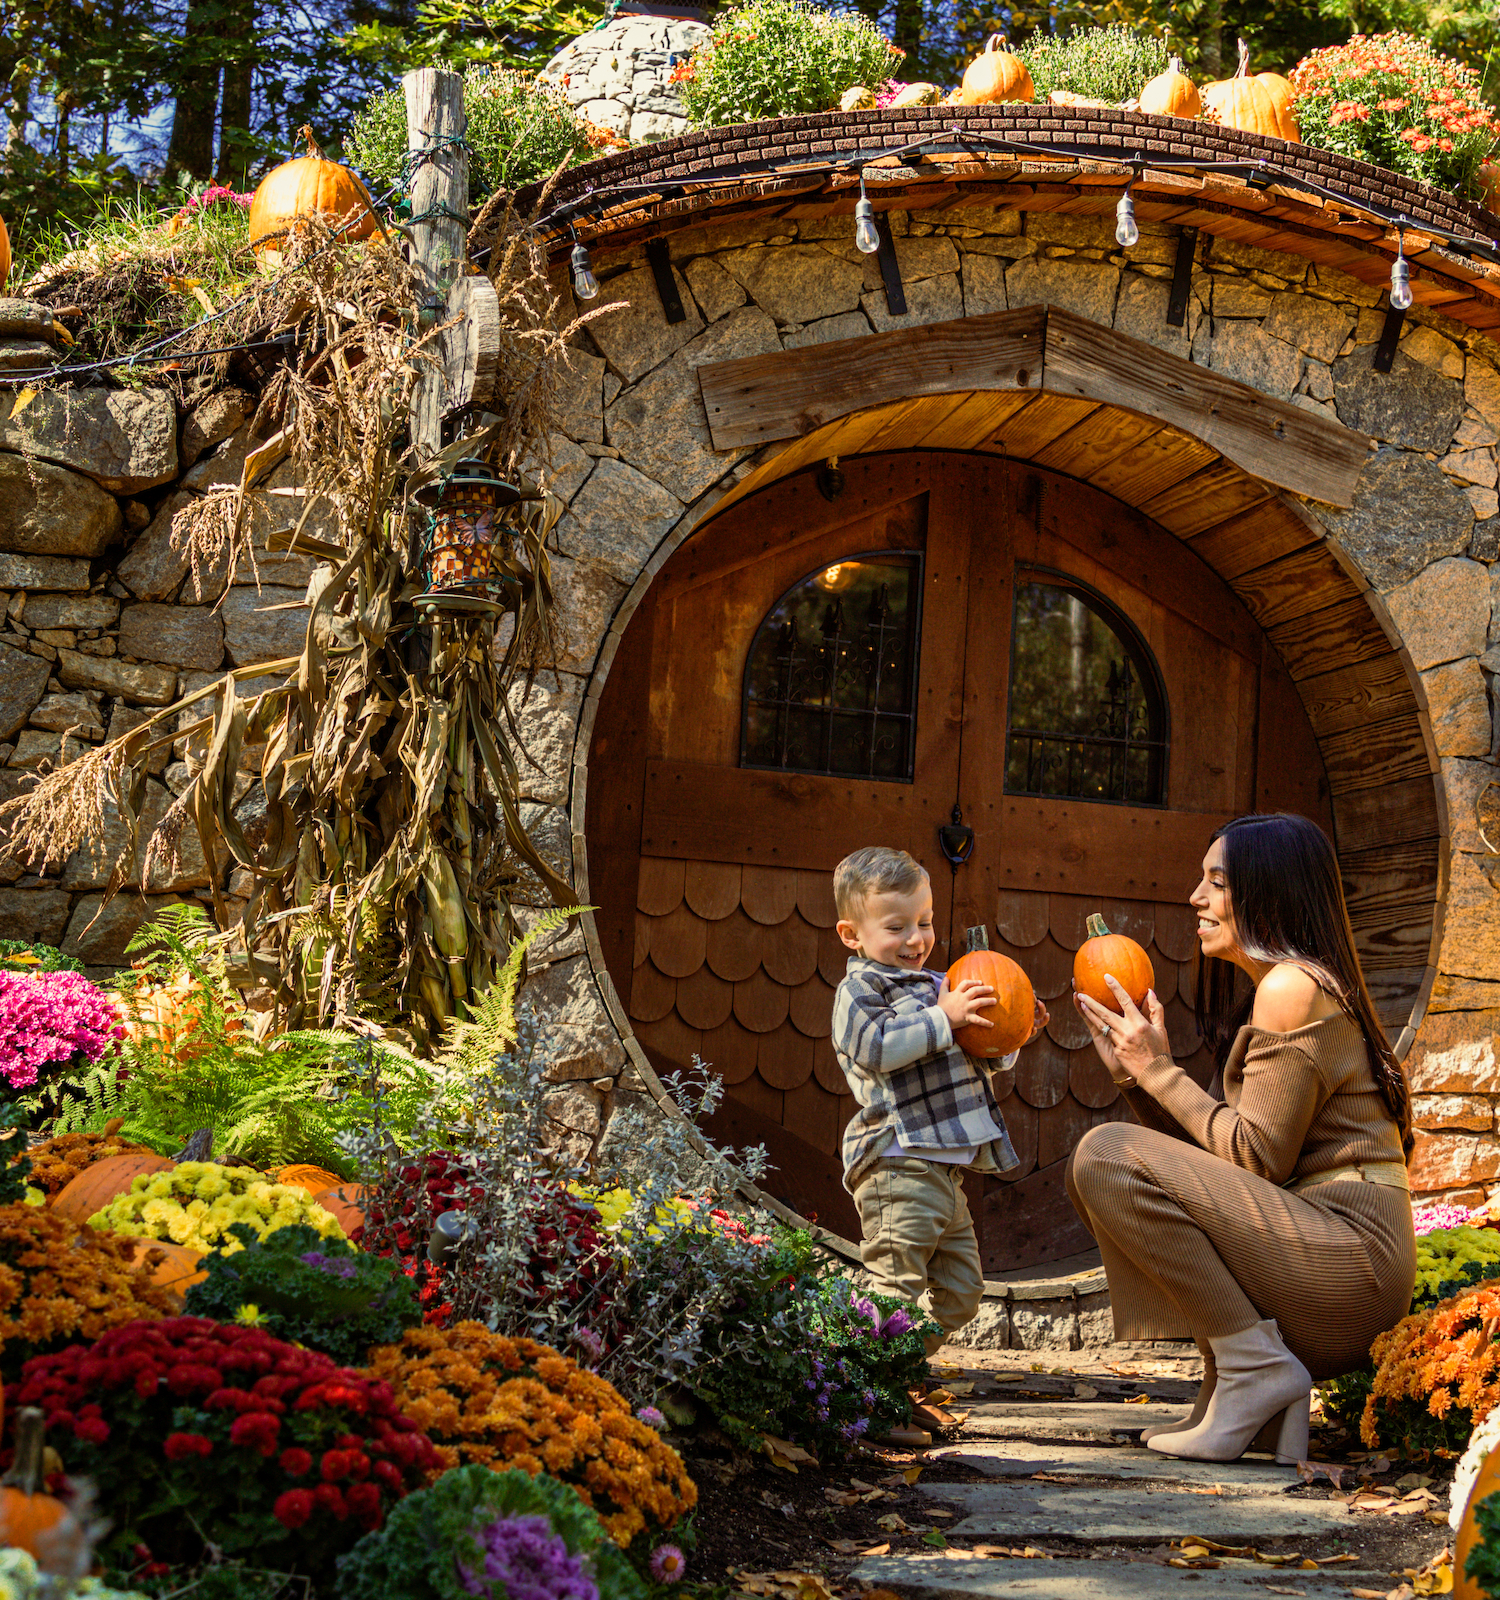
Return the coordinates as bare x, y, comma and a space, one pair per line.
1020, 1458
938, 1578
1028, 1512
1065, 1419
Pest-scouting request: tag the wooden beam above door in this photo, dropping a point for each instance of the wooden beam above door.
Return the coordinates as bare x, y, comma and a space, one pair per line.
1036, 350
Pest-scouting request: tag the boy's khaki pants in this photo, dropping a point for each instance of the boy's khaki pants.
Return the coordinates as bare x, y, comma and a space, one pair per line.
918, 1239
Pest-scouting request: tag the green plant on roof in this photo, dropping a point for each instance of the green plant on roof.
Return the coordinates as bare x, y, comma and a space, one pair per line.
775, 58
1112, 64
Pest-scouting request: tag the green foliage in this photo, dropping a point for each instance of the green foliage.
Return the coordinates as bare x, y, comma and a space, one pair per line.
1113, 63
15, 1164
465, 33
520, 129
284, 1099
1483, 1566
1450, 1260
431, 1535
16, 955
313, 1291
774, 58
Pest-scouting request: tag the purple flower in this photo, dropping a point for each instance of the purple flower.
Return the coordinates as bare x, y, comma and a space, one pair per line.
896, 1324
523, 1559
50, 1017
589, 1342
668, 1563
651, 1417
334, 1266
867, 1309
1441, 1215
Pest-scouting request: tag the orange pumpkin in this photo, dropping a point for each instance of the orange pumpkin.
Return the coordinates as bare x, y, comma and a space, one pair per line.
1013, 1009
314, 1179
96, 1186
346, 1205
309, 185
4, 252
996, 75
169, 1017
1172, 93
27, 1513
1469, 1532
1258, 102
1489, 186
173, 1267
1121, 958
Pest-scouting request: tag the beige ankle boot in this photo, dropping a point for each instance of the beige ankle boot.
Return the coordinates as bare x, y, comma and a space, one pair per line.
1259, 1380
1200, 1404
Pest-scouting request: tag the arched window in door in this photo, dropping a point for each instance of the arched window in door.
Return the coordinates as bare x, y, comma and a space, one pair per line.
1088, 714
831, 678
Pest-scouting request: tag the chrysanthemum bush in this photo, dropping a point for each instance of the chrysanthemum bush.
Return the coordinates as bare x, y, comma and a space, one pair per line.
197, 1203
774, 58
1113, 63
195, 1432
49, 1021
57, 1161
490, 1401
1392, 100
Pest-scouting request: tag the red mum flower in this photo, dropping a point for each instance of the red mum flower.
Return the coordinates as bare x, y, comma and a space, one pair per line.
181, 1445
334, 1465
364, 1502
296, 1463
257, 1431
93, 1429
293, 1508
331, 1499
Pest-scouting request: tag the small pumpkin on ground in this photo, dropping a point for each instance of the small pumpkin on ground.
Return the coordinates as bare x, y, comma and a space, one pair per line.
1172, 93
29, 1516
173, 1267
97, 1185
1013, 1009
996, 75
1119, 957
1259, 102
309, 185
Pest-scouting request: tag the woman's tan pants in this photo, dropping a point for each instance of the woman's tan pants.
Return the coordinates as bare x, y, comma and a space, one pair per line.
1194, 1245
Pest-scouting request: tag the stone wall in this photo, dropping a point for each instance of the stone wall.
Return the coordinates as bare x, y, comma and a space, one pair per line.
619, 76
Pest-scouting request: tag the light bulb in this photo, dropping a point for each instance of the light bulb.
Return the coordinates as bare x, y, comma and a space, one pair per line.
866, 234
1126, 232
585, 284
1400, 284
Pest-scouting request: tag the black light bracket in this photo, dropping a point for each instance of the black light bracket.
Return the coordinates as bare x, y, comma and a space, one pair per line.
660, 258
1182, 277
956, 839
890, 268
1390, 337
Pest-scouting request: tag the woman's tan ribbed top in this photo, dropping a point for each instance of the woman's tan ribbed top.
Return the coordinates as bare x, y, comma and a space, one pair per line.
1294, 1103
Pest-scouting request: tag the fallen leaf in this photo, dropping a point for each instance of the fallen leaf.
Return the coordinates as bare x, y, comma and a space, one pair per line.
876, 1550
947, 1514
841, 1497
1124, 1372
936, 1539
1368, 1594
1030, 1553
1437, 1576
1438, 1518
937, 1397
1139, 1400
844, 1547
1412, 1480
785, 1454
1294, 1559
1311, 1471
1209, 1544
861, 1486
1273, 1589
23, 399
1055, 1477
1333, 1561
880, 1594
1194, 1563
961, 1388
892, 1522
1085, 1391
991, 1551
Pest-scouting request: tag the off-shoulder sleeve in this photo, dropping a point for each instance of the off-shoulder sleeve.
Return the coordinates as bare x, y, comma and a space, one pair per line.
1280, 1096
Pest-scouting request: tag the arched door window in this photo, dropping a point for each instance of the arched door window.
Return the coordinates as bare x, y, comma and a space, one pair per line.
831, 679
1088, 715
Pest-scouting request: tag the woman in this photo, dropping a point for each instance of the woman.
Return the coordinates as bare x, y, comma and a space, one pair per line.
1269, 1218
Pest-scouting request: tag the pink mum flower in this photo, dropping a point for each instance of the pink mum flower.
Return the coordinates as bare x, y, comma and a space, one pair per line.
51, 1017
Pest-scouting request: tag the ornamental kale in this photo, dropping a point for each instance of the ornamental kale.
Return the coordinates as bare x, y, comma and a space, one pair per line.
1482, 1569
308, 1289
502, 1535
50, 1020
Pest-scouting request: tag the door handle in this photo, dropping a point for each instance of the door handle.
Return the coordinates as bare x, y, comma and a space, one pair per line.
956, 839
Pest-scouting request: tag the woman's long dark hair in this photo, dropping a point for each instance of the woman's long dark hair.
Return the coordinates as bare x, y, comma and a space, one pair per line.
1288, 903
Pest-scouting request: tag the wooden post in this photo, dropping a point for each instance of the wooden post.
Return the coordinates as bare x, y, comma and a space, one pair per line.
440, 210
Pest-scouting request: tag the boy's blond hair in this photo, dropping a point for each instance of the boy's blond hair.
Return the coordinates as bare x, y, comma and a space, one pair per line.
874, 870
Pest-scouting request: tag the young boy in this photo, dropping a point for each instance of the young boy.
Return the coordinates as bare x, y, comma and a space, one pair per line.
926, 1112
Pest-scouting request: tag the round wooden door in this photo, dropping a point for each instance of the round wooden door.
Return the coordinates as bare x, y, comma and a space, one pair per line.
1044, 697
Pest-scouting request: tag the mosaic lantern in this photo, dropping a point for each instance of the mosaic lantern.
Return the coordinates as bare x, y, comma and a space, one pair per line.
470, 565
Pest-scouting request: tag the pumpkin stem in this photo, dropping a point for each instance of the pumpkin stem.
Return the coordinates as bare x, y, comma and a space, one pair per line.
315, 149
997, 41
1243, 70
26, 1470
977, 938
1096, 927
113, 1126
1174, 64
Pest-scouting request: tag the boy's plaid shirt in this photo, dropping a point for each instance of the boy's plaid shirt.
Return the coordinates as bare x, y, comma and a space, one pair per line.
907, 1075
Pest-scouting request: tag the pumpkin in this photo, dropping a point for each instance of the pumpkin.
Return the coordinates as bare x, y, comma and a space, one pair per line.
309, 185
4, 252
1172, 94
1013, 1009
1489, 186
859, 98
1470, 1534
168, 1016
996, 75
346, 1205
314, 1179
1258, 102
1118, 956
917, 94
173, 1267
27, 1513
96, 1186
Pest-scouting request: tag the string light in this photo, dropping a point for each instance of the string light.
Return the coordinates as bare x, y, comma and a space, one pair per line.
585, 284
1126, 231
866, 234
1400, 277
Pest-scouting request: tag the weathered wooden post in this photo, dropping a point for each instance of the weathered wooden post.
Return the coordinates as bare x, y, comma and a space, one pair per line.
435, 126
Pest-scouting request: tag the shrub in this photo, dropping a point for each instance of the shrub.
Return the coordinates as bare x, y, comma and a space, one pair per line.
520, 129
495, 1402
1391, 99
277, 1453
1435, 1374
1113, 63
196, 1203
308, 1289
774, 58
60, 1282
20, 1579
57, 1161
52, 1020
16, 955
474, 1529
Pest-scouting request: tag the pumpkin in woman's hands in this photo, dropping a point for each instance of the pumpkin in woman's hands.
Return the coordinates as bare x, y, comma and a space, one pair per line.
28, 1515
996, 75
1259, 102
1011, 1013
1172, 94
1114, 955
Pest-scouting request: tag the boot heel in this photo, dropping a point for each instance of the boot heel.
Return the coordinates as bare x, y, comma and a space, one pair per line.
1292, 1439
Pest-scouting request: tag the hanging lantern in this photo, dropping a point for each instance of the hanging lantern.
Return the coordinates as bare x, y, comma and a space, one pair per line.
471, 564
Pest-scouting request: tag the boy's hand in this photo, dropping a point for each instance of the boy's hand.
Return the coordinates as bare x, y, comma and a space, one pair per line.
1040, 1017
962, 1006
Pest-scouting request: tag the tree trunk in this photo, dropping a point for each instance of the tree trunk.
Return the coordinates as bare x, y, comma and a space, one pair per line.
1211, 39
234, 110
192, 147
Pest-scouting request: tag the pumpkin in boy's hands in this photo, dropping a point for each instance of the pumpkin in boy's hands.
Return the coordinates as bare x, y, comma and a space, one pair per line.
1012, 1012
1111, 954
